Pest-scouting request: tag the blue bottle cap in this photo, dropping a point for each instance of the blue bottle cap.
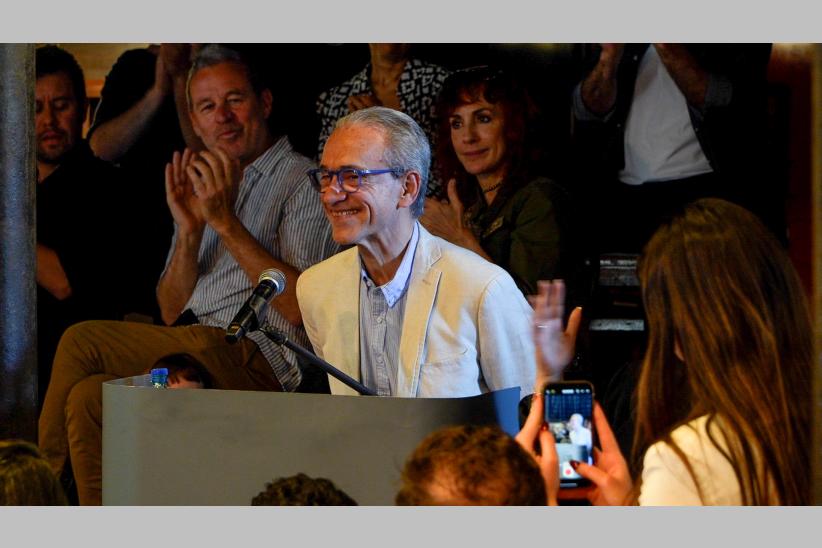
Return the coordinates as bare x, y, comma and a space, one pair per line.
159, 376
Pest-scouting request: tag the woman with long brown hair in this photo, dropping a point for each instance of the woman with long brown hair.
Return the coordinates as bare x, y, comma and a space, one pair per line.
499, 204
724, 400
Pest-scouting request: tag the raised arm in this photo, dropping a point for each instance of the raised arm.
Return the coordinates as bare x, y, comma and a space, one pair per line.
599, 88
216, 179
253, 259
176, 58
719, 78
180, 276
111, 139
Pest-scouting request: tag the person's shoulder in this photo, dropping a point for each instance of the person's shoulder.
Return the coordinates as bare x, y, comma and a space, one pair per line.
322, 271
282, 158
92, 168
429, 66
340, 92
426, 70
542, 185
464, 263
706, 458
542, 194
290, 154
86, 185
695, 430
143, 54
135, 59
106, 171
693, 440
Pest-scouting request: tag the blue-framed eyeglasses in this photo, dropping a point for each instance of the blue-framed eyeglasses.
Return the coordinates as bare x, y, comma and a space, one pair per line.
349, 179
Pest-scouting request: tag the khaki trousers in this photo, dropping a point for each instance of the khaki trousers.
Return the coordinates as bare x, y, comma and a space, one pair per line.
92, 352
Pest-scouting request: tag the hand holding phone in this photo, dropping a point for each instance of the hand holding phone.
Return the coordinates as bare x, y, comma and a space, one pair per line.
609, 481
569, 409
538, 442
610, 475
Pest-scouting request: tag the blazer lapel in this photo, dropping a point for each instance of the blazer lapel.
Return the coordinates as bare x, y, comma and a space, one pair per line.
343, 335
422, 292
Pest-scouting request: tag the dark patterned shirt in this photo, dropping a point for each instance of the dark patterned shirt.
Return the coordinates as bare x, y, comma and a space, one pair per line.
419, 86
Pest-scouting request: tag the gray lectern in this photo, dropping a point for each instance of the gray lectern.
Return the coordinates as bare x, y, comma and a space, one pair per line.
220, 447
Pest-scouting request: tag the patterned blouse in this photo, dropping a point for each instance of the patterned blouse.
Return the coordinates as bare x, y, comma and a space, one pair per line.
419, 86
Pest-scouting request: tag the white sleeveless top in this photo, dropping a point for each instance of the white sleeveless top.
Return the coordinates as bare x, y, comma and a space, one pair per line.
660, 142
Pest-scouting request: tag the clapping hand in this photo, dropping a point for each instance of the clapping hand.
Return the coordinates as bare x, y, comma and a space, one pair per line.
443, 218
180, 196
216, 180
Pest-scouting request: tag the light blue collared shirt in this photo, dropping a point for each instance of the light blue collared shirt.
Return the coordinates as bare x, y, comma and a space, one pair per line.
381, 313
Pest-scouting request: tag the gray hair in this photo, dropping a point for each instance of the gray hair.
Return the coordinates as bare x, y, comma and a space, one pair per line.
406, 145
215, 54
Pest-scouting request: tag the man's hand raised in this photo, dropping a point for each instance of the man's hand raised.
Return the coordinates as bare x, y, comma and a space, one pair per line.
610, 55
182, 201
555, 345
216, 180
599, 89
176, 59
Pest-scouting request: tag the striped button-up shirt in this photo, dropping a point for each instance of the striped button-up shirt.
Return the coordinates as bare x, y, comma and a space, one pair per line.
381, 312
277, 205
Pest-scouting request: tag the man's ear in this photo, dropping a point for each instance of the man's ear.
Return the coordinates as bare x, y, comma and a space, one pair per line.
267, 100
410, 189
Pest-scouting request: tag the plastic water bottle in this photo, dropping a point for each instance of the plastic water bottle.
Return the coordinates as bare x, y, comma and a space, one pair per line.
159, 377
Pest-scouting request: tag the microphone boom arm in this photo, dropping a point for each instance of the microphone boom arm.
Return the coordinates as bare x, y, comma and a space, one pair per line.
281, 339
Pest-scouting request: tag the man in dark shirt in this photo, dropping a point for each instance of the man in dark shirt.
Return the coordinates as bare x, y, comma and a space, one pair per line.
80, 251
141, 120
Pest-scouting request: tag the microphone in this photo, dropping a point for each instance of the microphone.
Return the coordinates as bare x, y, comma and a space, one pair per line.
271, 284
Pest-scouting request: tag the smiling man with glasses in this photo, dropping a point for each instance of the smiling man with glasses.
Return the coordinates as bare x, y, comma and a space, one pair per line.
405, 312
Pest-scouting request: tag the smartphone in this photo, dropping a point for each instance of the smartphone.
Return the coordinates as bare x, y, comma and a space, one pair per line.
569, 413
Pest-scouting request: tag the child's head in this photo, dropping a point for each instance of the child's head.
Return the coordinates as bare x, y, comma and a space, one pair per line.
184, 371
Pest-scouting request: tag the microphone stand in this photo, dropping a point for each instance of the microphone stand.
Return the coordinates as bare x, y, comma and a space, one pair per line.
281, 338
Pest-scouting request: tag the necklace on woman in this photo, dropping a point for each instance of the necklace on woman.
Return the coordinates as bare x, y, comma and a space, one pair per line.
492, 187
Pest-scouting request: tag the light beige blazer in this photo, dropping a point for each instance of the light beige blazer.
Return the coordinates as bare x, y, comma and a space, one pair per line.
466, 328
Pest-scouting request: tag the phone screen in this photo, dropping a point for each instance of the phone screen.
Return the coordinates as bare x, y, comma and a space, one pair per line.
569, 414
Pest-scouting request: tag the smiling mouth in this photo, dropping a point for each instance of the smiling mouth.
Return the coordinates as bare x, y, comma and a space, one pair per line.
228, 135
341, 213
